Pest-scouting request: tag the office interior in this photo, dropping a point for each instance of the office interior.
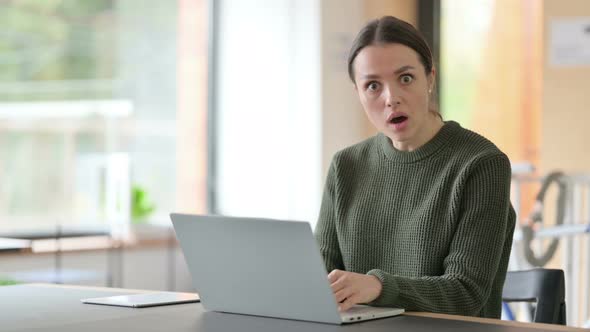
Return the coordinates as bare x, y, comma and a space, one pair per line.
116, 113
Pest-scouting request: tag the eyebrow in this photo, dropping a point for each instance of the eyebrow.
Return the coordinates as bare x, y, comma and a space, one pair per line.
397, 72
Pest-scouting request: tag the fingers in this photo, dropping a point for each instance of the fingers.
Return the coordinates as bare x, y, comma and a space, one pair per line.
345, 288
337, 286
343, 294
337, 280
348, 303
334, 275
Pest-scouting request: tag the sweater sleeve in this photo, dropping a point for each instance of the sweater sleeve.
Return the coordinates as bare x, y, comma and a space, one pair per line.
474, 254
325, 231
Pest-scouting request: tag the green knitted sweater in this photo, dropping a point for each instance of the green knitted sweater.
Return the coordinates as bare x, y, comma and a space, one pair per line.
434, 225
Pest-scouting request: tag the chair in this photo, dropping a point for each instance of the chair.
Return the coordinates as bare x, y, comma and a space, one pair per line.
545, 287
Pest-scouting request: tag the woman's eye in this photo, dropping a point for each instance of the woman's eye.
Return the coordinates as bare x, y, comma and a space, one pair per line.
373, 86
406, 79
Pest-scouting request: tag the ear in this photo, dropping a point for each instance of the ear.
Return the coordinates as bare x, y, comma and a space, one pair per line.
431, 79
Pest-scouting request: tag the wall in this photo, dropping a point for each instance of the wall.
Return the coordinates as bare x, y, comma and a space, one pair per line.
565, 115
191, 112
343, 121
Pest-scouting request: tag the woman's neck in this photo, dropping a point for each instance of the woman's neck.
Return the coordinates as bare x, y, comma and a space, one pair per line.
423, 135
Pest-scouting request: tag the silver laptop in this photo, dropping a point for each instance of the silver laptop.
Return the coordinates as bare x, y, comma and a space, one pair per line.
262, 267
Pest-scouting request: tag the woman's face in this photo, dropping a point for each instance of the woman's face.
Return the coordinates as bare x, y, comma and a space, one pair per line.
395, 92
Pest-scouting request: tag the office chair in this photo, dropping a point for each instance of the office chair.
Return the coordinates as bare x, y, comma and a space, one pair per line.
545, 287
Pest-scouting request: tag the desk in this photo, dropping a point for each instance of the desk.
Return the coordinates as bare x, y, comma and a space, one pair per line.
57, 232
14, 245
40, 307
55, 256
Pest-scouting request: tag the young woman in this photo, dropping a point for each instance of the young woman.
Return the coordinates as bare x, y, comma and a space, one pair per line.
418, 216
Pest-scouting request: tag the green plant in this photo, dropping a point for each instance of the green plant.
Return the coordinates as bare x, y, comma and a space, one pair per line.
141, 207
7, 282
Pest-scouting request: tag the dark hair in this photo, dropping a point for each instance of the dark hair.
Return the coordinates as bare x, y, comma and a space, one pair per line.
389, 29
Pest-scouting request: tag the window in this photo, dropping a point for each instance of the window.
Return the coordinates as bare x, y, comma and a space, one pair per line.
94, 96
267, 109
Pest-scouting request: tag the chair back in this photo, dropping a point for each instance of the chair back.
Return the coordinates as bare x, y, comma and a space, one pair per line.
545, 287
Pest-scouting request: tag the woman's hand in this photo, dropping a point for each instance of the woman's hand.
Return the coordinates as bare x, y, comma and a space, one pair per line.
351, 288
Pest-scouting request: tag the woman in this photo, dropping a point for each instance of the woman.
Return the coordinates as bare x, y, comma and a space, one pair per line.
418, 216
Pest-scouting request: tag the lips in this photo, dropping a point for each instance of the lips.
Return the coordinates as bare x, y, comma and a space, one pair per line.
398, 121
397, 118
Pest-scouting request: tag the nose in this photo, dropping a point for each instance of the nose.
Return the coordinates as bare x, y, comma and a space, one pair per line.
393, 103
393, 100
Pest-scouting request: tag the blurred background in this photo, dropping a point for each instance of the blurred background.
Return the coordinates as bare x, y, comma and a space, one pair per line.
115, 113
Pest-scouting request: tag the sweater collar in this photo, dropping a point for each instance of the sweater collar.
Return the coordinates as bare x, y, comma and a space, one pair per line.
446, 133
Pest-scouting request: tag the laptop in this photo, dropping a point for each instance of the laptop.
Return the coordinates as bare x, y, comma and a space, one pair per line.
262, 267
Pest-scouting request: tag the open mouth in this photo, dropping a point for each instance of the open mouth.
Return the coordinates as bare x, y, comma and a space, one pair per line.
399, 119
